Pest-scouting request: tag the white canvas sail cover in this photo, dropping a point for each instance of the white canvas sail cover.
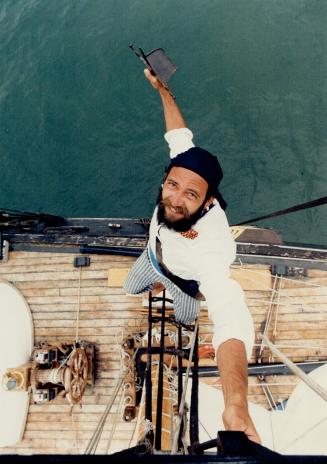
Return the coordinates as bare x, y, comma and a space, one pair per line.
16, 344
300, 429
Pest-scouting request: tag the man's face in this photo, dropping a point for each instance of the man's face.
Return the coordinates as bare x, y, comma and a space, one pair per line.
182, 199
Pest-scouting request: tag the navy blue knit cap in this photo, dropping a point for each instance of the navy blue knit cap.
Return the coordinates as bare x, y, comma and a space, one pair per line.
205, 165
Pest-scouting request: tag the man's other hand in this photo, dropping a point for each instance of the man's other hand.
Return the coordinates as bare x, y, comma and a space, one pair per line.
173, 116
237, 418
153, 80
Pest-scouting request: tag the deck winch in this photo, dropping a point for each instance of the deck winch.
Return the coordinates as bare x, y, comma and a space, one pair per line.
56, 369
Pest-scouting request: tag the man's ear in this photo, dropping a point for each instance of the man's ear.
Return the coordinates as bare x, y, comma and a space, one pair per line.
209, 201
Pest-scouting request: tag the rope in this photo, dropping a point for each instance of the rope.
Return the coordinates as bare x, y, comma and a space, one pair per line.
181, 408
61, 366
94, 441
265, 331
299, 347
290, 299
274, 384
206, 431
267, 392
280, 282
114, 423
136, 432
322, 392
292, 209
194, 409
78, 304
304, 282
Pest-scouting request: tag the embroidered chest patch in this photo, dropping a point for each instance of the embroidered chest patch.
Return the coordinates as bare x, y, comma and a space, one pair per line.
191, 234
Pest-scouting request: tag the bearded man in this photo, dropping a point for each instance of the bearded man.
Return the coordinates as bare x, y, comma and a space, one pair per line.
189, 253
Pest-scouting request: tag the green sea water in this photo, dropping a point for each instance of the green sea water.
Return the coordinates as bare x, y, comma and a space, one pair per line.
81, 131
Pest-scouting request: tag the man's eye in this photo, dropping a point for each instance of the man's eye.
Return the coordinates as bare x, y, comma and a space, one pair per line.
171, 184
192, 196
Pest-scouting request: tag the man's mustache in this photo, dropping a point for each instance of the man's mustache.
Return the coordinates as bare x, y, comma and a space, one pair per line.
178, 209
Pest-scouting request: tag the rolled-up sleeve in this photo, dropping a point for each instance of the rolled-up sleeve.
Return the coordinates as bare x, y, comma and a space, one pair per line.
179, 140
226, 305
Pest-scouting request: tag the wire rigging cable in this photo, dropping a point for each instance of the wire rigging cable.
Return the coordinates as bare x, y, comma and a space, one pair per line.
292, 209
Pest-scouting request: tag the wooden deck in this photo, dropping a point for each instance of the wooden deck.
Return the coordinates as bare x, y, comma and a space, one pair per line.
57, 292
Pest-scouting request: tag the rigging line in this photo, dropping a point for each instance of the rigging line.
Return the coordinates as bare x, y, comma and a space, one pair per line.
78, 304
281, 403
322, 392
93, 443
305, 282
194, 407
269, 315
257, 345
100, 429
114, 423
274, 384
206, 431
187, 374
268, 395
292, 209
61, 365
136, 432
280, 285
287, 297
303, 305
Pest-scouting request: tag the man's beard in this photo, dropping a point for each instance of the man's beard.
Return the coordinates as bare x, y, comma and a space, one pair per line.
180, 225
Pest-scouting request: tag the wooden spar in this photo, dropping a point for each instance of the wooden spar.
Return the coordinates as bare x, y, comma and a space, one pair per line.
297, 371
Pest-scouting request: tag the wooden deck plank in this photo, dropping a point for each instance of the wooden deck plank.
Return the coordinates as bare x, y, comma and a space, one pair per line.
86, 314
50, 283
112, 306
300, 322
69, 284
68, 290
15, 256
67, 275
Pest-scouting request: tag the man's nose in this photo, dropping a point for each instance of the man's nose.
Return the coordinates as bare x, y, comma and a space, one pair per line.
176, 199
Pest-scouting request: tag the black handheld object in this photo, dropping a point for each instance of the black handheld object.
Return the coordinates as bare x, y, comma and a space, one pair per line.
158, 63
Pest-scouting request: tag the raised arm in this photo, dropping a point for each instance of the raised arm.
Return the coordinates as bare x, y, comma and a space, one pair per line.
231, 354
173, 116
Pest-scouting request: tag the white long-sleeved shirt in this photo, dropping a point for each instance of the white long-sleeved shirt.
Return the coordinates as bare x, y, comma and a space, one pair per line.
207, 259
